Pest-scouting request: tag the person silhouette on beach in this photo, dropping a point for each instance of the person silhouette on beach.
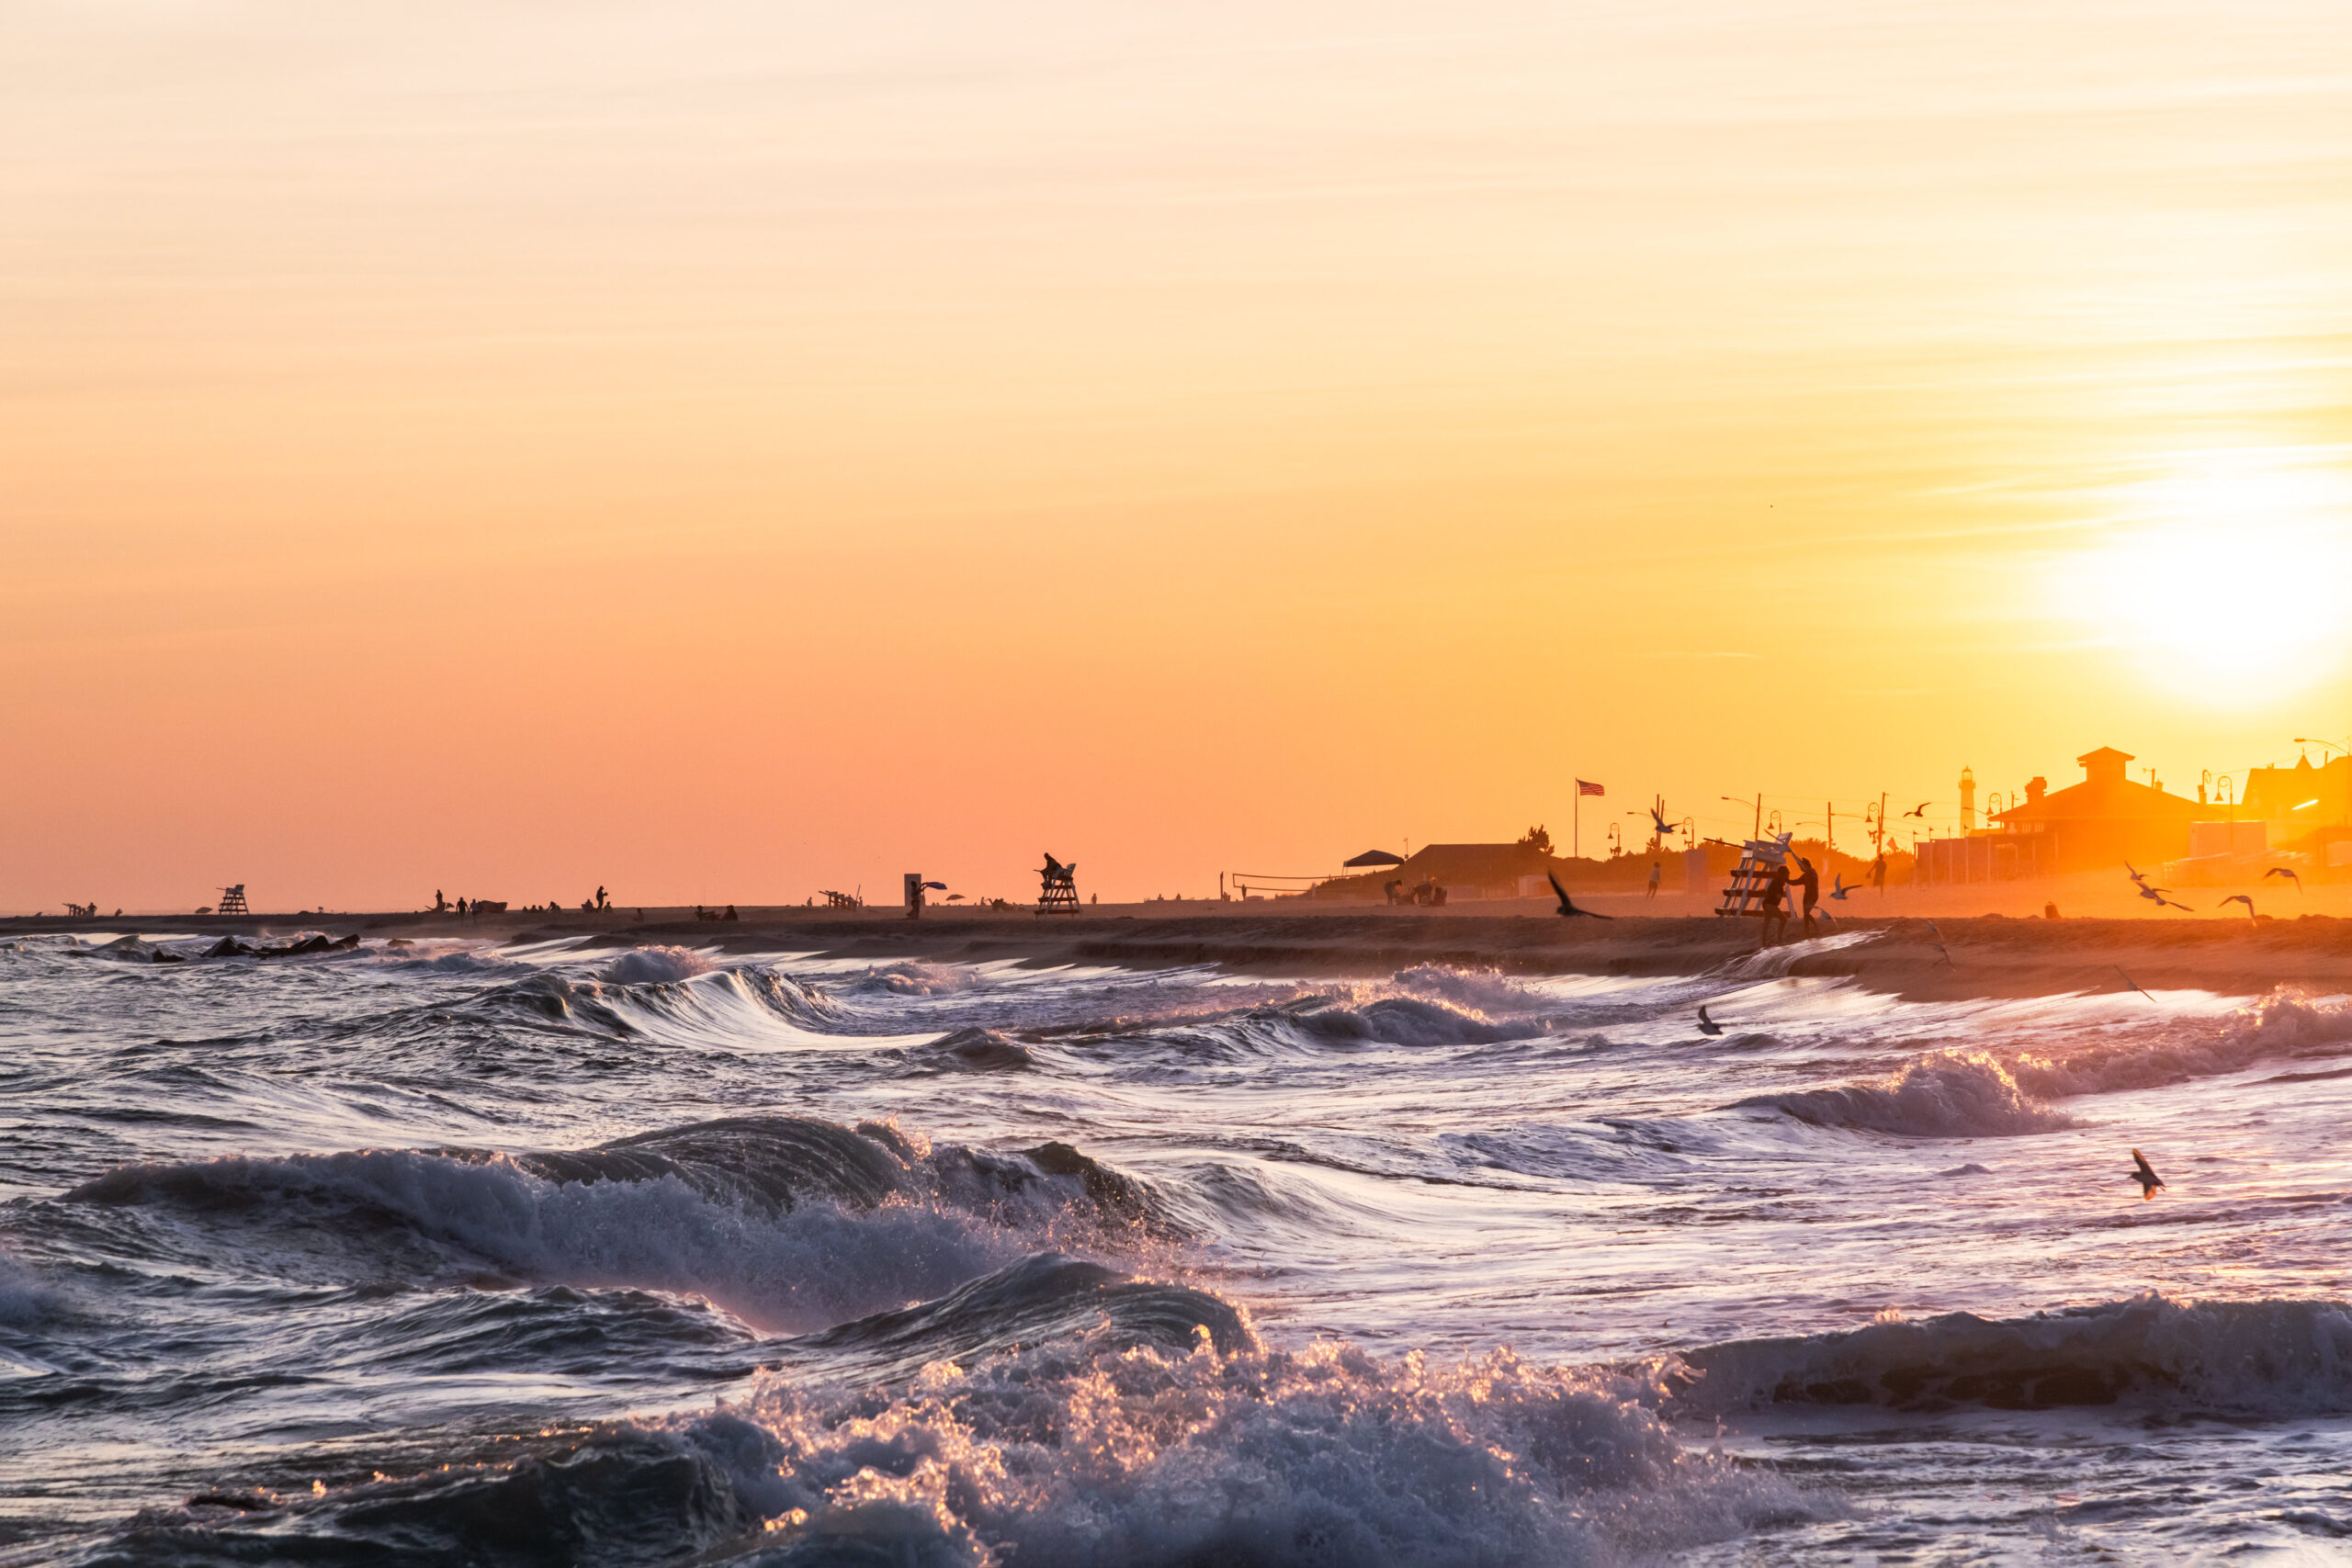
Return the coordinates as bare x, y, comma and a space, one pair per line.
1654, 874
1776, 905
601, 902
1811, 882
440, 905
461, 906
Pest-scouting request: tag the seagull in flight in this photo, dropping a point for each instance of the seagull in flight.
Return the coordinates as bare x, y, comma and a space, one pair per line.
2135, 874
1708, 1025
2156, 897
2145, 1175
2289, 873
2130, 982
1839, 889
2237, 898
1939, 945
1568, 909
1919, 811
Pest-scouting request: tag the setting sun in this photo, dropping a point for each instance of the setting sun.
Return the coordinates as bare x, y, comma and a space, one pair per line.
2216, 580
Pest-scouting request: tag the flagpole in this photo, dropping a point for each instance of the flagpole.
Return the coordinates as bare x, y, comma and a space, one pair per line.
1575, 824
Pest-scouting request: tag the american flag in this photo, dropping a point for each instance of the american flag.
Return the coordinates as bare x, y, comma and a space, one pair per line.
1584, 788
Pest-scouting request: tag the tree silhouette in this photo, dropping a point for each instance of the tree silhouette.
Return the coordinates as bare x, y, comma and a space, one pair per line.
1538, 838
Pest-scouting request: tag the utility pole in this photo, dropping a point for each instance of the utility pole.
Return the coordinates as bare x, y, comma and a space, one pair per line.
1877, 845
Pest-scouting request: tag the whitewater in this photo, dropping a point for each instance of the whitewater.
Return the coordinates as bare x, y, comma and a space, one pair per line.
462, 1253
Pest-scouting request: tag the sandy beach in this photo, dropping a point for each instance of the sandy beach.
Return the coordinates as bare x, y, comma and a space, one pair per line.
1937, 956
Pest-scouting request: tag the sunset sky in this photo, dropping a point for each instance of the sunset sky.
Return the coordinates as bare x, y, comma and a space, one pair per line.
722, 451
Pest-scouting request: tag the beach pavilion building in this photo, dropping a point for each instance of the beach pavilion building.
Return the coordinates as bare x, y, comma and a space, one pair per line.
2098, 824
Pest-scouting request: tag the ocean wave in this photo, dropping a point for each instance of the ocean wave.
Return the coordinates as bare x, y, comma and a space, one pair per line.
1483, 992
610, 1336
2271, 1359
1776, 963
1046, 1298
790, 1222
912, 977
1951, 1094
26, 1299
2284, 1024
1397, 1021
725, 1008
972, 1050
655, 965
1122, 1448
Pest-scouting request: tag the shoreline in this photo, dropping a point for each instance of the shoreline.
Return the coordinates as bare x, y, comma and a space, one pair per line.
1990, 955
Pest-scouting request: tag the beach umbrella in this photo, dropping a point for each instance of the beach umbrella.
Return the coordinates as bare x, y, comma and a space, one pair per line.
1374, 857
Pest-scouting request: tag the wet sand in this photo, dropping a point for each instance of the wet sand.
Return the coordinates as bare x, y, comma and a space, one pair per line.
1988, 956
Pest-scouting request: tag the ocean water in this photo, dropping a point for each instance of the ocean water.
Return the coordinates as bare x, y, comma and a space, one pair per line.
557, 1254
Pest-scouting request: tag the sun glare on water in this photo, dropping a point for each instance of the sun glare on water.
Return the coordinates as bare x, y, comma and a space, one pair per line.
2225, 583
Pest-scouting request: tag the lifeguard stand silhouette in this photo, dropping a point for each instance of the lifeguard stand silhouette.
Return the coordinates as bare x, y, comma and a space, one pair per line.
1060, 893
233, 900
1758, 858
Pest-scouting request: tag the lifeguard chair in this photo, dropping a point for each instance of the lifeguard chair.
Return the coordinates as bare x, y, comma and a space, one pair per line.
233, 900
1060, 893
1744, 895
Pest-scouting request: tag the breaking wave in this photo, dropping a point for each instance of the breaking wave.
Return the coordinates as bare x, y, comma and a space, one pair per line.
788, 1221
1953, 1094
656, 965
2275, 1359
1120, 1447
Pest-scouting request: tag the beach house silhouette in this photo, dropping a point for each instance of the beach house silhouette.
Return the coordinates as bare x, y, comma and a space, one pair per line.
2097, 824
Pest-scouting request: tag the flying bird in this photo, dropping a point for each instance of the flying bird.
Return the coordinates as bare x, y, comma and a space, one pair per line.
1568, 909
1838, 888
1939, 945
1919, 811
1708, 1025
2145, 1175
2156, 897
2289, 873
2130, 982
2135, 874
2237, 898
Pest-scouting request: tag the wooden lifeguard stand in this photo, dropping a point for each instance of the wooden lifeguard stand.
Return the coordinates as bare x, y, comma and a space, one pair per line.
233, 900
1058, 895
1744, 895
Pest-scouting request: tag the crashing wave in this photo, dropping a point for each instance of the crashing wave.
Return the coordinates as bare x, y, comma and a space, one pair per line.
791, 1223
1953, 1094
1125, 1448
2275, 1359
655, 966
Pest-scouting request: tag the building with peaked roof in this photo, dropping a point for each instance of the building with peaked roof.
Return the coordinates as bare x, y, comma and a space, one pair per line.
2101, 822
2295, 800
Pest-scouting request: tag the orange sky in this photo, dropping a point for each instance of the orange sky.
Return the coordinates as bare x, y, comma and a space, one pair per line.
721, 453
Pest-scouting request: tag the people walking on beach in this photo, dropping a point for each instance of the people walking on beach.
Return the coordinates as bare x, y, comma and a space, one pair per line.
1654, 874
461, 906
601, 902
440, 905
1776, 906
1811, 882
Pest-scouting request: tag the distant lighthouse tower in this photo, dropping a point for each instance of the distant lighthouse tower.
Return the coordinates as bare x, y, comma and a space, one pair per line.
1967, 799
